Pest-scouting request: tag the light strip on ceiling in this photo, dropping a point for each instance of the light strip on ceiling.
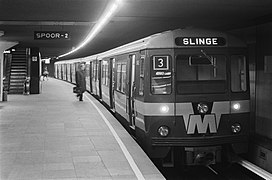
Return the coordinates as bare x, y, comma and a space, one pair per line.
104, 19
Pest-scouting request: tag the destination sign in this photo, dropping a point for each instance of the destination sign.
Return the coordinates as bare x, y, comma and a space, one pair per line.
200, 41
51, 35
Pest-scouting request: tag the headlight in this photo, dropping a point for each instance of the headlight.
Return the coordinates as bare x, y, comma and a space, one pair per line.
163, 131
164, 109
236, 106
202, 108
236, 128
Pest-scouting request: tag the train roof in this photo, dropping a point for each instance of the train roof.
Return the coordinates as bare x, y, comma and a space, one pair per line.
167, 39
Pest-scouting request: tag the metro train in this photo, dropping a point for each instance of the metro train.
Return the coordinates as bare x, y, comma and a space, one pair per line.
183, 94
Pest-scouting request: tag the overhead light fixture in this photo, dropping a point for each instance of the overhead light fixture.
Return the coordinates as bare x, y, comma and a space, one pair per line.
103, 20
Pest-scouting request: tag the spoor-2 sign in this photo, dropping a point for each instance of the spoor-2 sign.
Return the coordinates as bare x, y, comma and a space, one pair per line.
51, 35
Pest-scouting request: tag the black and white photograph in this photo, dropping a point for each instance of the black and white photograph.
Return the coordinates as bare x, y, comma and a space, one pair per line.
135, 89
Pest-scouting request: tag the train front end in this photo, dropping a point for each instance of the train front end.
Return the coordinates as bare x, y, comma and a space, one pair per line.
201, 92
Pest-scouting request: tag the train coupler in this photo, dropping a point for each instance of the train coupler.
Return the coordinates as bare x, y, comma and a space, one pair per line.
202, 155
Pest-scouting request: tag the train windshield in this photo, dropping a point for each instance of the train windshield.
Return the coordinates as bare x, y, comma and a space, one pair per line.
197, 74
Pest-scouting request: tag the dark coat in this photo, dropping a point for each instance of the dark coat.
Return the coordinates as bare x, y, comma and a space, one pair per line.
81, 80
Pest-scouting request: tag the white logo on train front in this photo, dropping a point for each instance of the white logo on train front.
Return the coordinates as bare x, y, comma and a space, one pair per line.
195, 121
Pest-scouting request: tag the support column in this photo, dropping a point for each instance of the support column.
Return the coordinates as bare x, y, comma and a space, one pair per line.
35, 71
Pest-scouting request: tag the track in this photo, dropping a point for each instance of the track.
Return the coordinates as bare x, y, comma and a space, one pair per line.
215, 172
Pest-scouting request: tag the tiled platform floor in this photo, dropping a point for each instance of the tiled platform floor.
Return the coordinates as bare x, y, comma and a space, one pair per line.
54, 136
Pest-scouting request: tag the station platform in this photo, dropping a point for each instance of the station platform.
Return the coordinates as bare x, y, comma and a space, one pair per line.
53, 136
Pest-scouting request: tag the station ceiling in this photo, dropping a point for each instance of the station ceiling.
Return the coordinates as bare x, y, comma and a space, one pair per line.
19, 19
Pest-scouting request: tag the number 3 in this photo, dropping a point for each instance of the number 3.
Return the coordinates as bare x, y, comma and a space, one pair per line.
160, 62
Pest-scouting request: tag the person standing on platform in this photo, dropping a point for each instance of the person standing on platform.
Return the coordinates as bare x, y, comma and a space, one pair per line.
81, 81
45, 74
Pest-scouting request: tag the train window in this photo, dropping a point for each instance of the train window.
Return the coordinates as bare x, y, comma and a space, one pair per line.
238, 73
124, 77
121, 77
161, 75
87, 70
204, 75
95, 71
118, 76
141, 87
107, 75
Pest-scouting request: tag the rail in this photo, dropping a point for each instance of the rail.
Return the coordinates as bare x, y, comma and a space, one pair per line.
255, 169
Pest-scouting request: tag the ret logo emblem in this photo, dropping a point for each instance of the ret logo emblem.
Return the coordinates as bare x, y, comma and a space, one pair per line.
195, 121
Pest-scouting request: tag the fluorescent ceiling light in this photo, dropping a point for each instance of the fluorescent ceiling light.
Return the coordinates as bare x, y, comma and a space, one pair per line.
104, 19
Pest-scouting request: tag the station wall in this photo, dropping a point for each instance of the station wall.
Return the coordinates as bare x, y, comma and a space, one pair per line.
263, 121
259, 41
261, 144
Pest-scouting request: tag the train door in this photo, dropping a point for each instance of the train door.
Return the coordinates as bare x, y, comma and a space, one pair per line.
131, 90
94, 79
112, 82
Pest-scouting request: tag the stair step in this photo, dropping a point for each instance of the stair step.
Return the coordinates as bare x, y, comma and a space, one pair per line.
19, 58
18, 76
15, 92
16, 87
17, 83
18, 64
17, 80
19, 67
19, 53
18, 61
18, 70
17, 73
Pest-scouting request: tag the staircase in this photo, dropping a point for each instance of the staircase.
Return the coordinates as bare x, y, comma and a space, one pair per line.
18, 71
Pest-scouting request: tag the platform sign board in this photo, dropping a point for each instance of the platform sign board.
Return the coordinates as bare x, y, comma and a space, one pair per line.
34, 58
51, 35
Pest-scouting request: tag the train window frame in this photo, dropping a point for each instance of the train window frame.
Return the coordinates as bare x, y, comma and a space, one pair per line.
164, 72
241, 82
